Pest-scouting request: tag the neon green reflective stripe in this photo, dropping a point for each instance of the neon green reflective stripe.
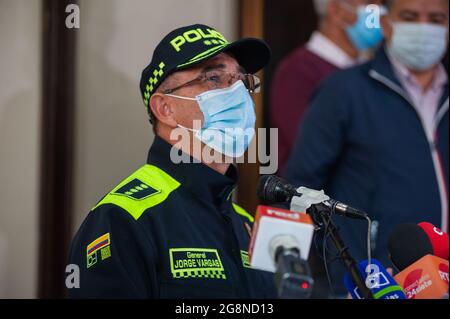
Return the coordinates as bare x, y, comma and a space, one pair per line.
152, 176
203, 55
242, 212
245, 259
383, 292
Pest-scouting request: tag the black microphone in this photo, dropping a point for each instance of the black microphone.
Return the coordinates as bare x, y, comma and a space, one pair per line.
407, 244
273, 189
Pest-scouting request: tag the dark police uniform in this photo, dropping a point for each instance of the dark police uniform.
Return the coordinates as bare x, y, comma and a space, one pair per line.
168, 231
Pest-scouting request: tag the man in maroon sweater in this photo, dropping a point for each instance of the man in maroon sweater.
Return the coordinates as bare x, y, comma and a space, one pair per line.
339, 43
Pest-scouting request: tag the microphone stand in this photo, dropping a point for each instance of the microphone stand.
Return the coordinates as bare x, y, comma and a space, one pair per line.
323, 215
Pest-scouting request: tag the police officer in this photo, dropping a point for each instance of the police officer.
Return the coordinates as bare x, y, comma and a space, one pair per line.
171, 230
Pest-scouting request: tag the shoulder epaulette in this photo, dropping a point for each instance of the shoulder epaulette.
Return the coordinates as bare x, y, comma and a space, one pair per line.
145, 188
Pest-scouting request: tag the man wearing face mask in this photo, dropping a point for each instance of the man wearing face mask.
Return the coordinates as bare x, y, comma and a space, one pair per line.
170, 229
377, 136
343, 40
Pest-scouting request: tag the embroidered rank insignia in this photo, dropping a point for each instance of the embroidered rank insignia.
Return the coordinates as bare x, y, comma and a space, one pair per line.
245, 259
137, 190
103, 244
196, 263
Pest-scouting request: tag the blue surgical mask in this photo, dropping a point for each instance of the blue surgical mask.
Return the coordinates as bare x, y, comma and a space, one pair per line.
361, 35
229, 119
418, 46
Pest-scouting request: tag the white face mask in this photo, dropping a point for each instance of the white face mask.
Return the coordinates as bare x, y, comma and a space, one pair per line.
229, 119
418, 46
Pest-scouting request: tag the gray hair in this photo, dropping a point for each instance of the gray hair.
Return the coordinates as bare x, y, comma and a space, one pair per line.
321, 7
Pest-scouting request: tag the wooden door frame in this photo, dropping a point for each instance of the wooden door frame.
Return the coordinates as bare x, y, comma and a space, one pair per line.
57, 147
251, 16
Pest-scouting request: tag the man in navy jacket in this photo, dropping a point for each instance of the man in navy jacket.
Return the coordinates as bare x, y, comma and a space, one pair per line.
376, 136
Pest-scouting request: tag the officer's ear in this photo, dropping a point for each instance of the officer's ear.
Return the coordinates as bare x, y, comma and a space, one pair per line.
162, 110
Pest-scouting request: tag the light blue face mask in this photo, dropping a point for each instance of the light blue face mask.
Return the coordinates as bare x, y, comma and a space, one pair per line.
229, 119
418, 46
361, 35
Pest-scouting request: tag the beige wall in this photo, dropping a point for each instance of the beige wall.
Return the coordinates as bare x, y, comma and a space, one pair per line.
116, 40
20, 58
115, 43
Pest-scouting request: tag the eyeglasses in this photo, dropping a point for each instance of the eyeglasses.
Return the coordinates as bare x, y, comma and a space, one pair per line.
217, 79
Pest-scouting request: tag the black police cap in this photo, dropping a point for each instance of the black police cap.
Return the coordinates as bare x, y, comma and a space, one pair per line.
187, 46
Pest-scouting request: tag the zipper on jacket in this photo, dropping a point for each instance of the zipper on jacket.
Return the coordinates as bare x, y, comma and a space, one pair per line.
436, 157
374, 235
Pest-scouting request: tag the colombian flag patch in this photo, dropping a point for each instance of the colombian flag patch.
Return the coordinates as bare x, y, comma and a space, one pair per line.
102, 243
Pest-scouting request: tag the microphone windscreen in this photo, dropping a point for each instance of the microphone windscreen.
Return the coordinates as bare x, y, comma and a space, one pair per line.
438, 239
272, 189
407, 244
262, 185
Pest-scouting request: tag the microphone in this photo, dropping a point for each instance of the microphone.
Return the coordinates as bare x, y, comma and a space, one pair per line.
427, 278
377, 279
407, 244
280, 243
273, 189
410, 242
438, 240
423, 275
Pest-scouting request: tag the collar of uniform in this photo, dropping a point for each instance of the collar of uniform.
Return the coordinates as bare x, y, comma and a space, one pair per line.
198, 178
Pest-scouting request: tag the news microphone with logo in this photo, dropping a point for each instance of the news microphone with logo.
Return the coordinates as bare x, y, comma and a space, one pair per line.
422, 274
273, 189
438, 240
409, 242
377, 279
280, 243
